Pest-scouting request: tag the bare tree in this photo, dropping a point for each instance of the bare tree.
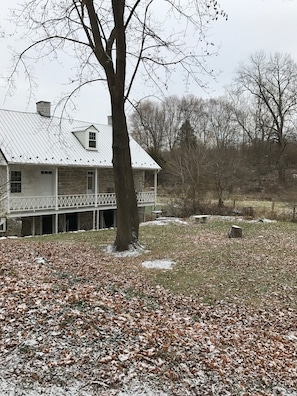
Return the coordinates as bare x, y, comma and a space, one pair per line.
148, 125
101, 36
156, 125
225, 138
188, 167
256, 140
272, 82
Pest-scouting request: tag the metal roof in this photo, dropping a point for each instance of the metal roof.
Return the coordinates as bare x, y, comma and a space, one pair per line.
29, 138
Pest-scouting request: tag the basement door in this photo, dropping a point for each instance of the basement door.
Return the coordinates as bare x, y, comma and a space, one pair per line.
46, 183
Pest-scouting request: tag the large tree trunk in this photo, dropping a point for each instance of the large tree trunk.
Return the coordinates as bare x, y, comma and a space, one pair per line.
127, 212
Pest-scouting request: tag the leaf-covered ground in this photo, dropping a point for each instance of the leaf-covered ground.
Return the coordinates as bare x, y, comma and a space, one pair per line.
76, 320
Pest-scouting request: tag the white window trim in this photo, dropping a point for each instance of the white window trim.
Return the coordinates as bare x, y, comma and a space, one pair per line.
16, 183
91, 140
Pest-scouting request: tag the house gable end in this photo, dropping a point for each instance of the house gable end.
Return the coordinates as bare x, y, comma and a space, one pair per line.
3, 160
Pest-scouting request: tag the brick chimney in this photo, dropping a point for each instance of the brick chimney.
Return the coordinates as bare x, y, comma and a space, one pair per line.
43, 108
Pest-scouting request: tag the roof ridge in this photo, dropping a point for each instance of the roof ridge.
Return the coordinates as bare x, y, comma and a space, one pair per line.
70, 119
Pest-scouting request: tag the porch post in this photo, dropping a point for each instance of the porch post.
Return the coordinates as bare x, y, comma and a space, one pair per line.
56, 187
56, 223
8, 188
96, 187
96, 199
94, 219
98, 223
33, 226
155, 188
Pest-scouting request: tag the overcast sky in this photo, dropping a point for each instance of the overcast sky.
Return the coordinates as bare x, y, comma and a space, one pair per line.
253, 25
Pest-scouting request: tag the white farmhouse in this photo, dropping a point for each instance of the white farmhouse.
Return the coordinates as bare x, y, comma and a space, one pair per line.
56, 174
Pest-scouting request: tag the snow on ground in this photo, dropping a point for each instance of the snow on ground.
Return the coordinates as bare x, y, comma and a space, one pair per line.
135, 388
165, 220
8, 388
159, 264
133, 251
138, 389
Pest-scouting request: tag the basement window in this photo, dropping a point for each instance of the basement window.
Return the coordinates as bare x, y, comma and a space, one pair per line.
15, 181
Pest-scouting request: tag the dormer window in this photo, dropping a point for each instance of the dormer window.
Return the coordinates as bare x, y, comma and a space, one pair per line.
92, 140
88, 136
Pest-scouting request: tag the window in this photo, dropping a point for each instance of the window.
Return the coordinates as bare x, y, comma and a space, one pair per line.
91, 182
15, 181
46, 172
92, 139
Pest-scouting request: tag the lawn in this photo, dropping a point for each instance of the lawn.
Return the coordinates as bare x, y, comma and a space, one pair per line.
77, 320
258, 269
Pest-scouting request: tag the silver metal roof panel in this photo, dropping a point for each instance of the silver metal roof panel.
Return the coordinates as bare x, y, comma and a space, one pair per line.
33, 139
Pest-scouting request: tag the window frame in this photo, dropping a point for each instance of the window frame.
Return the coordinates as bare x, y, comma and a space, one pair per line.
15, 182
92, 140
91, 181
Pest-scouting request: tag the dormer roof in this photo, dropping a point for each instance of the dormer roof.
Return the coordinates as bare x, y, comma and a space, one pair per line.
87, 135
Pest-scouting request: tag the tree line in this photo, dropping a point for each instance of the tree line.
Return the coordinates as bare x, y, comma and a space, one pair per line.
244, 141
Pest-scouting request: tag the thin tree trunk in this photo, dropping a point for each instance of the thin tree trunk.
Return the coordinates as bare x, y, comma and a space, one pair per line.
281, 164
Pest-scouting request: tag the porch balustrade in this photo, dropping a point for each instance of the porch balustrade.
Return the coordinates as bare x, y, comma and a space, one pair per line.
60, 202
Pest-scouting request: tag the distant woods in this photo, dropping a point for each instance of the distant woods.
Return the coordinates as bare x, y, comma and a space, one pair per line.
244, 142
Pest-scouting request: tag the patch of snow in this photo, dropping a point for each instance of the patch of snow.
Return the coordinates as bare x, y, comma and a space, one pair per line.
238, 218
133, 251
9, 388
30, 343
283, 392
40, 260
132, 388
166, 220
137, 388
292, 337
267, 221
159, 264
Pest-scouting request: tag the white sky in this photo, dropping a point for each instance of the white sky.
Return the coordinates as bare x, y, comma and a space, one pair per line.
253, 25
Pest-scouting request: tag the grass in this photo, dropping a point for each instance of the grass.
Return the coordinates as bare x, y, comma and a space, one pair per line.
103, 236
263, 208
259, 269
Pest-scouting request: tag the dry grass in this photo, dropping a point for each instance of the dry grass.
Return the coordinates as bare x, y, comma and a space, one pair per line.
260, 268
263, 208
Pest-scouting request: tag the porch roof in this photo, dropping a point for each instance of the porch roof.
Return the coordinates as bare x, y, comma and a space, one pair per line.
29, 138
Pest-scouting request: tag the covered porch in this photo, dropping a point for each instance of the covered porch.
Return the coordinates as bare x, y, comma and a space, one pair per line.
62, 213
18, 205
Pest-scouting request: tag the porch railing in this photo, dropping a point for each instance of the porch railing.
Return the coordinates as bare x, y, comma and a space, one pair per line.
60, 202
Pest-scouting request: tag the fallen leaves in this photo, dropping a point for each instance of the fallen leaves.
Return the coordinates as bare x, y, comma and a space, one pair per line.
70, 312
